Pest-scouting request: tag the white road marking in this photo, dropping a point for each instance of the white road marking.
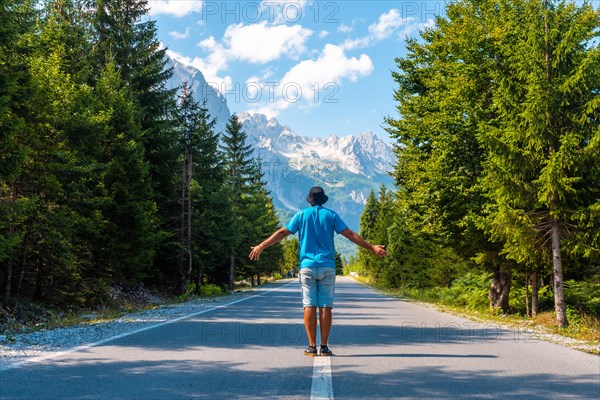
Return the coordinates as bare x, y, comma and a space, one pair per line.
322, 387
122, 335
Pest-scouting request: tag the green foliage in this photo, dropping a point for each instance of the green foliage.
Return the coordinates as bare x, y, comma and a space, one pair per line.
277, 276
497, 106
77, 209
339, 264
517, 299
290, 255
252, 211
468, 291
584, 296
211, 290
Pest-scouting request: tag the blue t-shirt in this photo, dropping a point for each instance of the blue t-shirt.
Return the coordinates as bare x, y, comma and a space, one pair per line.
315, 226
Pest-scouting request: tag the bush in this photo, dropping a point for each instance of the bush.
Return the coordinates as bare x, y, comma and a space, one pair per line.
277, 276
469, 291
583, 296
210, 290
516, 300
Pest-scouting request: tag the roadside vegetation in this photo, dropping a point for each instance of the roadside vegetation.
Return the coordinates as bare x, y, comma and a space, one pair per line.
108, 179
497, 139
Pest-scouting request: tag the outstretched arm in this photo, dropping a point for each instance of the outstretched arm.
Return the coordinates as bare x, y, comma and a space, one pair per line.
277, 237
354, 237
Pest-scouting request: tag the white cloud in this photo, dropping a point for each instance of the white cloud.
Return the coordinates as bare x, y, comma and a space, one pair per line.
386, 26
255, 43
177, 8
345, 28
331, 67
323, 34
179, 35
208, 44
261, 43
356, 43
309, 81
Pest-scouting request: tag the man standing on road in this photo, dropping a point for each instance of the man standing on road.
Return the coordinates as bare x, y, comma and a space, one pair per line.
315, 226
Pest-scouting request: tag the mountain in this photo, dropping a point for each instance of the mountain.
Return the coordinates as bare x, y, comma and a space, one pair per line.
348, 167
202, 91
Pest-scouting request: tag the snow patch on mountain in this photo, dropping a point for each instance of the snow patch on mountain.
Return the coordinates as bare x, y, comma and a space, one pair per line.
363, 154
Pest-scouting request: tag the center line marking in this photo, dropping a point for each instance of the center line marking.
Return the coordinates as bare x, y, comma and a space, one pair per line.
322, 387
321, 383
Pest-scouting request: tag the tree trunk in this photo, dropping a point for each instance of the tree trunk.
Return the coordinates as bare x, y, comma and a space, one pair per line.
23, 268
185, 266
500, 288
181, 284
10, 263
258, 279
252, 283
37, 295
559, 298
198, 283
9, 271
188, 272
231, 271
535, 304
527, 310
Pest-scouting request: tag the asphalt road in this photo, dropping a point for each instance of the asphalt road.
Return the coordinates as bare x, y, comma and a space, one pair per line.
384, 349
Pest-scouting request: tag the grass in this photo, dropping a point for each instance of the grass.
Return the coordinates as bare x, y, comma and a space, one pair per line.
585, 328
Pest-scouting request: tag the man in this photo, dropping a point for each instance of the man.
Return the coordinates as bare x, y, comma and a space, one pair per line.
315, 226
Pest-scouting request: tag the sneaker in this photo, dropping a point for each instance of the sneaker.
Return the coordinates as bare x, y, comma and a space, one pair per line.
311, 351
325, 350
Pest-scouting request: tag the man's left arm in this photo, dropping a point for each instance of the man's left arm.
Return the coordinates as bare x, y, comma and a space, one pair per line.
275, 238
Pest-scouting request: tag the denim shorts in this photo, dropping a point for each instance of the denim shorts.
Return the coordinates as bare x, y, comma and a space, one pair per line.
318, 286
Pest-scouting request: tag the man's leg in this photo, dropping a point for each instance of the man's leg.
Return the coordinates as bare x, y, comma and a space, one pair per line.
310, 323
325, 317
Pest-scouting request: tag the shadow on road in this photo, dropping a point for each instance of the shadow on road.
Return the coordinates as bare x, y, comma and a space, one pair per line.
440, 383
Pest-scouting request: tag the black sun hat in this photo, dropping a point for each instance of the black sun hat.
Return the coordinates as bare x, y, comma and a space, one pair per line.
316, 196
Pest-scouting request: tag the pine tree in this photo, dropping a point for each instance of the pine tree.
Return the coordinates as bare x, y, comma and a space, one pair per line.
131, 236
444, 92
368, 219
543, 134
239, 169
49, 257
339, 264
385, 219
261, 221
16, 20
188, 110
290, 255
125, 37
211, 206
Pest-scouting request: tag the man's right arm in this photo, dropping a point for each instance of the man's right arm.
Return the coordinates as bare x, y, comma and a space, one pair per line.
354, 237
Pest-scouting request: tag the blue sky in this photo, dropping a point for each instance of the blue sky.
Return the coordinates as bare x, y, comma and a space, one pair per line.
320, 67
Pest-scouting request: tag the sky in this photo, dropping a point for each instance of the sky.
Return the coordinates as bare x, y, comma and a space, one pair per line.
320, 67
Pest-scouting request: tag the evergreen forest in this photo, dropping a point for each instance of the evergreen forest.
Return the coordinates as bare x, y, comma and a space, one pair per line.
497, 138
106, 176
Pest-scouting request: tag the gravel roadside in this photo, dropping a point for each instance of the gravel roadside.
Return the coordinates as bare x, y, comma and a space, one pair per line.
26, 346
525, 331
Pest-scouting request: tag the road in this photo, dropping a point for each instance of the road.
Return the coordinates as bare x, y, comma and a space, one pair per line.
253, 349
